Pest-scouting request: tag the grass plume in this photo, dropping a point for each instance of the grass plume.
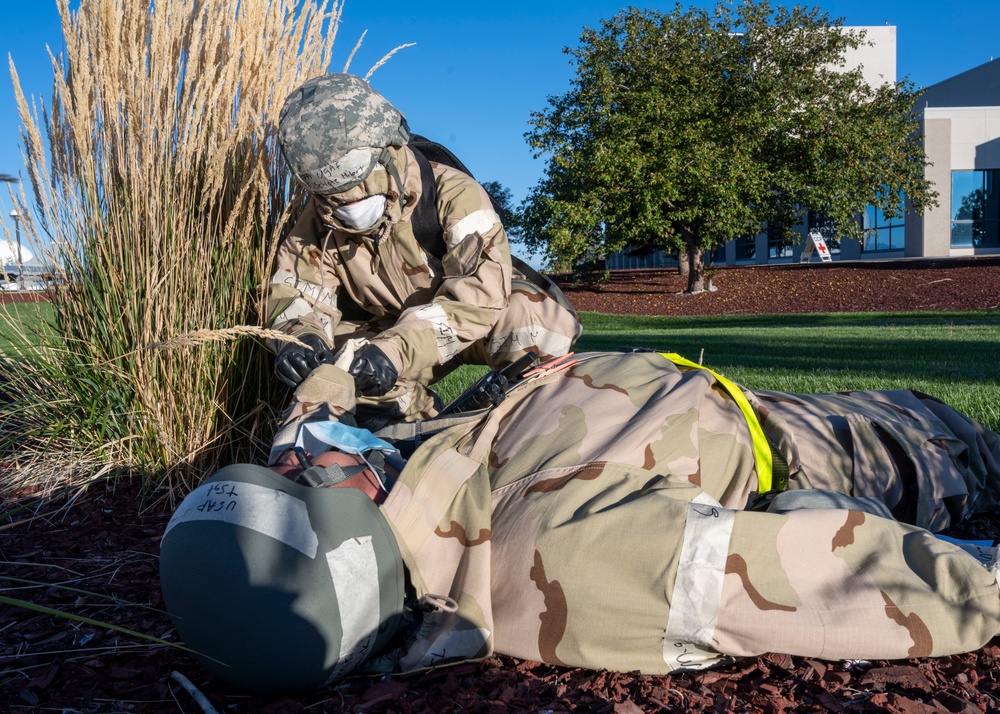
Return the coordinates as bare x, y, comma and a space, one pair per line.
157, 178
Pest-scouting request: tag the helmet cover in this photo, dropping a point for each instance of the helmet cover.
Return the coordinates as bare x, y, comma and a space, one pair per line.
276, 586
333, 130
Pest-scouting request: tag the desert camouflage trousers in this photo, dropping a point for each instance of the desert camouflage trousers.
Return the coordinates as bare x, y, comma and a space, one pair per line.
929, 464
532, 321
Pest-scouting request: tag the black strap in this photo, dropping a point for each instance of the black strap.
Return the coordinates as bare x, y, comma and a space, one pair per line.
543, 282
425, 222
328, 476
427, 227
325, 477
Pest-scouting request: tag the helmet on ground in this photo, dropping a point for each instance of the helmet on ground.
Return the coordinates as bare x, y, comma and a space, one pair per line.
277, 586
334, 129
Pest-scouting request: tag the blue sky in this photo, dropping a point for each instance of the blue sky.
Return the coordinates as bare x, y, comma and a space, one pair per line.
475, 75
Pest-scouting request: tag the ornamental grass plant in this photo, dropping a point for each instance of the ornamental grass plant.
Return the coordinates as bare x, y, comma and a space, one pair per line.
157, 181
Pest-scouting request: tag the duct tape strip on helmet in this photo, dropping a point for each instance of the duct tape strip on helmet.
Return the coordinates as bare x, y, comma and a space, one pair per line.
278, 587
772, 469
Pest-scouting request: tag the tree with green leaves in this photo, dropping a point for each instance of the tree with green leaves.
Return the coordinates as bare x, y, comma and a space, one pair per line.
687, 129
509, 214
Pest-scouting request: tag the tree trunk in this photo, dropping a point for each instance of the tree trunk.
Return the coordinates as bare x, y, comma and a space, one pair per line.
682, 262
696, 266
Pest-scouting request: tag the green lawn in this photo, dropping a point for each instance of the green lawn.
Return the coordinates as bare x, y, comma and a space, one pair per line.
955, 356
952, 355
29, 317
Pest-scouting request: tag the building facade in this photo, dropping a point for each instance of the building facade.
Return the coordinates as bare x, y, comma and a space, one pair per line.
961, 128
960, 124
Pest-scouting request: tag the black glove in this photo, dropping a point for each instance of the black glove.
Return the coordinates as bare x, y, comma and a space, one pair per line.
373, 373
295, 362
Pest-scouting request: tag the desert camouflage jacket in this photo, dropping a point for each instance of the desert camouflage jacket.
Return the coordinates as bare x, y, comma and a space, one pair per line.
599, 517
429, 309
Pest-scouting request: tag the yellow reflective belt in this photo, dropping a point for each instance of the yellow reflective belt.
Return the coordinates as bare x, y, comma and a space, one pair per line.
761, 447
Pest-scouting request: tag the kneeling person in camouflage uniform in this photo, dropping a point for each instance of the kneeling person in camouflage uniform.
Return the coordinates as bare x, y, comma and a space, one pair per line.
358, 267
633, 512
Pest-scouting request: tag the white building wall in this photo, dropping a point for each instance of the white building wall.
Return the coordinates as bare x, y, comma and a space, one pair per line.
930, 234
955, 139
973, 134
876, 56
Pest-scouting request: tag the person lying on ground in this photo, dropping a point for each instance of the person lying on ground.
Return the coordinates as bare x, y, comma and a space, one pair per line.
632, 512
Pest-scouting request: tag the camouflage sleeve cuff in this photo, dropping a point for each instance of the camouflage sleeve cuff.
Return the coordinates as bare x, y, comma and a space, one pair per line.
391, 350
297, 330
326, 394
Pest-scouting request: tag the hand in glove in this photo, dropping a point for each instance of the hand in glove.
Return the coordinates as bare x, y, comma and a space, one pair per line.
373, 373
294, 362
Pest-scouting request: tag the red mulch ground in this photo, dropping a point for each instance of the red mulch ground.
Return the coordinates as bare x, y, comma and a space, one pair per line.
890, 286
107, 542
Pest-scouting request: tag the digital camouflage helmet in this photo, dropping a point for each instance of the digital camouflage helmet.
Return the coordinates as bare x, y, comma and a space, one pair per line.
280, 587
334, 129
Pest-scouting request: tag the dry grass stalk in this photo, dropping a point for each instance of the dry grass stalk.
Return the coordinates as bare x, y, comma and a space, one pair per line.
386, 58
201, 337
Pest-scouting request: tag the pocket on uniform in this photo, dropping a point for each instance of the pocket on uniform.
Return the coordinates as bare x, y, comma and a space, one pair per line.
486, 285
462, 259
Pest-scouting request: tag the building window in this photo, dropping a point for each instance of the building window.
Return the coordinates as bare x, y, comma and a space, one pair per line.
746, 248
778, 244
883, 233
975, 209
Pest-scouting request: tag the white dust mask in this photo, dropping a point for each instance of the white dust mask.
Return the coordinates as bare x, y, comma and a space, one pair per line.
361, 214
